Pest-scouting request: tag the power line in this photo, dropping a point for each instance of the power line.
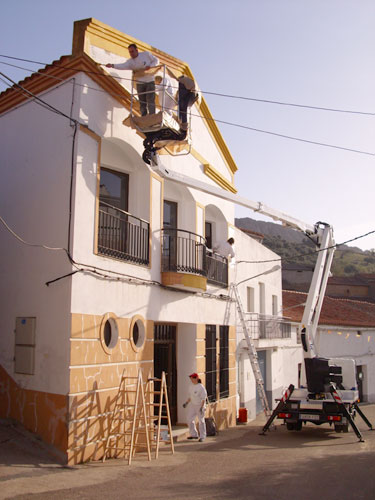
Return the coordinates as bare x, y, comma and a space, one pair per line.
218, 94
224, 122
297, 256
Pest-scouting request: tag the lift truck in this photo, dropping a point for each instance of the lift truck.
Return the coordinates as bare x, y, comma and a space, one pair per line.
328, 391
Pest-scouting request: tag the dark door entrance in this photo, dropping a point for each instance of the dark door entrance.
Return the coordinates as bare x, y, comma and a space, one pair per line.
360, 381
170, 235
165, 360
263, 371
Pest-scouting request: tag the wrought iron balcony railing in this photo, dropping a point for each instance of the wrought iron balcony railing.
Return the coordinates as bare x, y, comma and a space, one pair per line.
186, 252
183, 251
122, 235
262, 326
217, 269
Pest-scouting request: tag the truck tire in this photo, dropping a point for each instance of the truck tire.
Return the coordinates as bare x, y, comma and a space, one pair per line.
298, 425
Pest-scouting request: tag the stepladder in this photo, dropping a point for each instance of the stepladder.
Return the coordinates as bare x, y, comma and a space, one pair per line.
159, 418
250, 348
128, 429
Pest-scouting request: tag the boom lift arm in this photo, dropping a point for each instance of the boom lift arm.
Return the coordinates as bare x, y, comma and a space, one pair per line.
321, 233
322, 375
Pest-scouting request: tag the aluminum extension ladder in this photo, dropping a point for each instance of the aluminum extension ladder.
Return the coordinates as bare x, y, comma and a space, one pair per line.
252, 353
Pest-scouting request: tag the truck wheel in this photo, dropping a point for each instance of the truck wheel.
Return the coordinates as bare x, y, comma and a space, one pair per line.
290, 426
298, 425
338, 428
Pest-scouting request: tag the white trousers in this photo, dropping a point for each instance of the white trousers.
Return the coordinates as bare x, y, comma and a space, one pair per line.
194, 411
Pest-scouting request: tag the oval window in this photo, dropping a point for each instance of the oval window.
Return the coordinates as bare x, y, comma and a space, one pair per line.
109, 333
137, 333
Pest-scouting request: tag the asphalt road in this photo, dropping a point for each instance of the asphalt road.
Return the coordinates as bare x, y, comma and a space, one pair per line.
316, 463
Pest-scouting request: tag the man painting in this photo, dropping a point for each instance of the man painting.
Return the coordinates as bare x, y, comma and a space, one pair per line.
139, 62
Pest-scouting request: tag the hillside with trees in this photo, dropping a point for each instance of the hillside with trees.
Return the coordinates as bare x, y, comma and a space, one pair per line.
296, 248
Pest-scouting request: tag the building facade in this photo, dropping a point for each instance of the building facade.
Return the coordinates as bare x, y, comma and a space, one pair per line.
107, 268
346, 330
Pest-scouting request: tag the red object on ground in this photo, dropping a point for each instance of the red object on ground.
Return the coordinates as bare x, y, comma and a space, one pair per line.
242, 415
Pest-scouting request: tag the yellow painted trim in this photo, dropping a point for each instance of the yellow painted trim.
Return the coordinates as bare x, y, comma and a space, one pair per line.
90, 132
157, 177
217, 137
65, 68
91, 31
216, 176
199, 205
184, 280
98, 139
106, 349
134, 320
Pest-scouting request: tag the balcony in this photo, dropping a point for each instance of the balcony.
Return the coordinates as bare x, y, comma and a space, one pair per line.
122, 235
268, 327
187, 264
217, 269
183, 260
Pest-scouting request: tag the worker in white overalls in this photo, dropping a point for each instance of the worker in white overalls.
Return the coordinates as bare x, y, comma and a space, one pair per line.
197, 407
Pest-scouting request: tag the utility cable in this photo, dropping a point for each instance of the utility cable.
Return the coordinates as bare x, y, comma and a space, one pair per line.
266, 101
297, 256
232, 124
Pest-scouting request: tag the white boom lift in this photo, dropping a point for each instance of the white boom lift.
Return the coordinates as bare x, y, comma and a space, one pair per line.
329, 390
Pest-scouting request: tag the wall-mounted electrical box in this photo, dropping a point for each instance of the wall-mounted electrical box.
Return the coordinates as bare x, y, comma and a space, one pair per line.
24, 350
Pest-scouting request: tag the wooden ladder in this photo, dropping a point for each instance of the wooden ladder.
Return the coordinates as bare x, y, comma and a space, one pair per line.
129, 420
161, 404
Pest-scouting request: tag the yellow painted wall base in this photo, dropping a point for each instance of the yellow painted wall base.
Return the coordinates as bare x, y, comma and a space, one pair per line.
40, 412
191, 282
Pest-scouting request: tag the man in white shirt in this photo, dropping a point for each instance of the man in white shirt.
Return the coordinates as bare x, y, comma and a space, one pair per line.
226, 248
138, 62
164, 89
197, 407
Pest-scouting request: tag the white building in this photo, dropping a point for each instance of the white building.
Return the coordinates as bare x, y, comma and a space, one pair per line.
118, 276
346, 330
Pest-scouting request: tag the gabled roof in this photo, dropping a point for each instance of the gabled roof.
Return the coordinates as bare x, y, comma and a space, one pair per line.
340, 312
91, 31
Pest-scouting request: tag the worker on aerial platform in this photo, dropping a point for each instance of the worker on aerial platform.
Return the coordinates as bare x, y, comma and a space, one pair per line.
187, 96
139, 62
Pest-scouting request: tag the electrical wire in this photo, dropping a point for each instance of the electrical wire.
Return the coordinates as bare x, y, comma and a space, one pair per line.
59, 112
253, 99
55, 110
26, 242
232, 124
314, 252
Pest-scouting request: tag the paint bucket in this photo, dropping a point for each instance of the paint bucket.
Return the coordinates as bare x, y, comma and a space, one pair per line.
242, 415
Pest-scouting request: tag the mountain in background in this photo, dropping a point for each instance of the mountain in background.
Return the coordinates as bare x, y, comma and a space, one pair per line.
298, 250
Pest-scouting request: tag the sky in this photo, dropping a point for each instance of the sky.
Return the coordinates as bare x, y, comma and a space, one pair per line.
317, 53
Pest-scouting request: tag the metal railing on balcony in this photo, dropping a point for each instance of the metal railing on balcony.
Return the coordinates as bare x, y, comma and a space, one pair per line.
217, 269
262, 326
183, 251
122, 235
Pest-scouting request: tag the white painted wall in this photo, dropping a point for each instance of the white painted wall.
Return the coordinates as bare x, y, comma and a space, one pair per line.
201, 136
346, 342
121, 150
282, 355
35, 147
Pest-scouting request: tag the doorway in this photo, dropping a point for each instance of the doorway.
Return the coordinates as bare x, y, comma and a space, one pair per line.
263, 371
165, 360
359, 370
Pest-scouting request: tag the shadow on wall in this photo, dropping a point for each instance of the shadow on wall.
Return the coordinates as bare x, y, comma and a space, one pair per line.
93, 415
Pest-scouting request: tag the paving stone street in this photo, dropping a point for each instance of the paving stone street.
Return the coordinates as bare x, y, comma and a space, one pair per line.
237, 463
